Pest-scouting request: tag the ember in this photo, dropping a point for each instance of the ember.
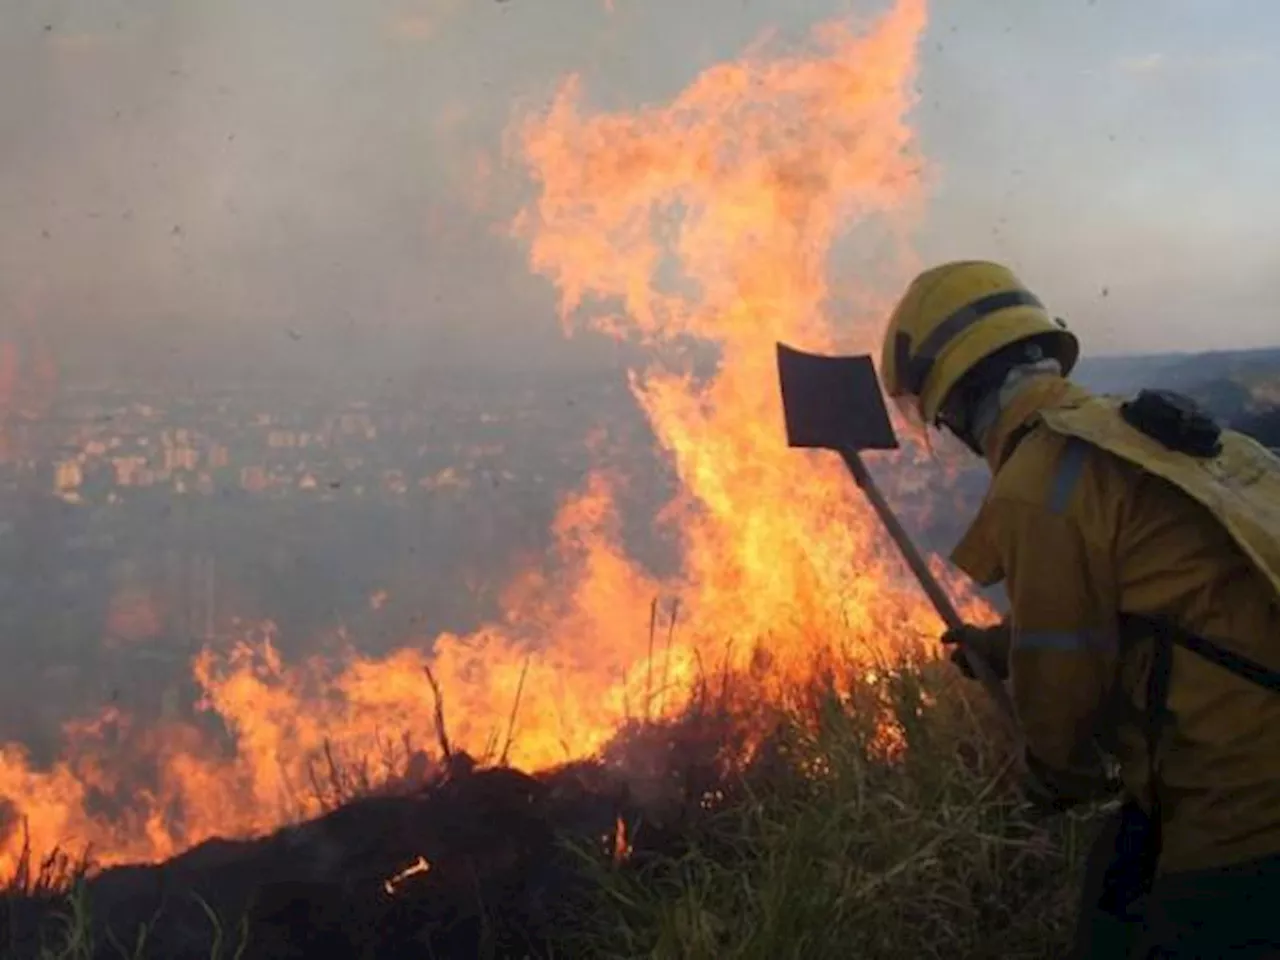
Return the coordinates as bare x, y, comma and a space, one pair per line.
419, 866
621, 847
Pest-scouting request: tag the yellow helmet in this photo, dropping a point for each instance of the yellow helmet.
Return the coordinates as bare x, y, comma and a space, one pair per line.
954, 316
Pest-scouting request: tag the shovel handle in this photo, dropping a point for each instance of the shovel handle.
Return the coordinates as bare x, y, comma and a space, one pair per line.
941, 602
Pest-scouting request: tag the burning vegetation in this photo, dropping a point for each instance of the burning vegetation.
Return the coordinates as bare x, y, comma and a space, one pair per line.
819, 845
715, 221
712, 220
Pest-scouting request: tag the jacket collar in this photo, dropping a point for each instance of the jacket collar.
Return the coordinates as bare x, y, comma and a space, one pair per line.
1019, 415
976, 553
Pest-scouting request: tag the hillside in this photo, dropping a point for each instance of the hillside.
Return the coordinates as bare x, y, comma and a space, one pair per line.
1176, 370
1241, 387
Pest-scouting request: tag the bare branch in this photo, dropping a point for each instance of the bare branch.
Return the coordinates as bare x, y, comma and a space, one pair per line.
515, 708
441, 734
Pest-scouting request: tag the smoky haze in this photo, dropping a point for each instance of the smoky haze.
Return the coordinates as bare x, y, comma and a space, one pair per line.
321, 184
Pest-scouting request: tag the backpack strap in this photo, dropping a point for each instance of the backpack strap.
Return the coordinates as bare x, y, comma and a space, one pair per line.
1173, 634
1167, 634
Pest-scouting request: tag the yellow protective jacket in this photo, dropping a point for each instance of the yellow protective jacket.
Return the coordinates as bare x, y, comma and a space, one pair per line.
1089, 544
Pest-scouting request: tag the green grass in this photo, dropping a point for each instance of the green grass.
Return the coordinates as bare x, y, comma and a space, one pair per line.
69, 934
929, 855
824, 847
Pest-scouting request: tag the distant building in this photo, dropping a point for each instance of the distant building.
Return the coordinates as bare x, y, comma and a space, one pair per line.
67, 477
128, 470
254, 479
395, 482
181, 458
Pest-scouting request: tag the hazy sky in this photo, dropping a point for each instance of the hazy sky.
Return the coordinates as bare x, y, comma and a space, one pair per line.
303, 178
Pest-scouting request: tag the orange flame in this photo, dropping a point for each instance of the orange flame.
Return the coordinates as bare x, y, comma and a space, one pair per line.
712, 222
713, 219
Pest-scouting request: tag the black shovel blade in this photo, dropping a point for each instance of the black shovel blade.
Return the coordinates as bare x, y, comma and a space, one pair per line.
833, 403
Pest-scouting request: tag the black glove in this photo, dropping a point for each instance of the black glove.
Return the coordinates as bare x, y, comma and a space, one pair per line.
989, 643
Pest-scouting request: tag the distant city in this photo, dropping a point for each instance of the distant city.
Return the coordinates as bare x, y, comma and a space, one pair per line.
135, 528
99, 448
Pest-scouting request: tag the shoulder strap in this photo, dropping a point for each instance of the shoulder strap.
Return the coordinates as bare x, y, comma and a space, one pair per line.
1167, 634
1210, 650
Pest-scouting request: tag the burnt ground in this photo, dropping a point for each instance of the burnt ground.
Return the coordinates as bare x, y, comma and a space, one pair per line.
506, 866
498, 877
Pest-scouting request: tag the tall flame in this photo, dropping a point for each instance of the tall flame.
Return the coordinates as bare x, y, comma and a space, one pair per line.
713, 219
709, 223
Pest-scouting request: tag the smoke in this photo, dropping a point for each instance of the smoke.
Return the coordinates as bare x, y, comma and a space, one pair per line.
194, 180
192, 177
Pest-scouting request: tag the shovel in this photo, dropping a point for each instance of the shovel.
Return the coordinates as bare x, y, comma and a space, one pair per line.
835, 403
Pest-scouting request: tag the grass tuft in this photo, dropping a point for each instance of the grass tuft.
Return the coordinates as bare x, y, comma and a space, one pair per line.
836, 845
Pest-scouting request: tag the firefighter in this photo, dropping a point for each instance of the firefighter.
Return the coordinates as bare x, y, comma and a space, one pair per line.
1139, 545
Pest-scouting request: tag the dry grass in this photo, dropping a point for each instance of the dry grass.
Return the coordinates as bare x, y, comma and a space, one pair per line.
834, 850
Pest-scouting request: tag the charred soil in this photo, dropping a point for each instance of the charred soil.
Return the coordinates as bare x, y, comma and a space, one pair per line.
481, 862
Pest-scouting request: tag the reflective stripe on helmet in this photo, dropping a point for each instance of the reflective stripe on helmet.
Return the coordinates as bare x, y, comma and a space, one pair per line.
914, 368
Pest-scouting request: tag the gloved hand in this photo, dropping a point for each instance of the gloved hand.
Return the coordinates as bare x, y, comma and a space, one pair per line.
990, 643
